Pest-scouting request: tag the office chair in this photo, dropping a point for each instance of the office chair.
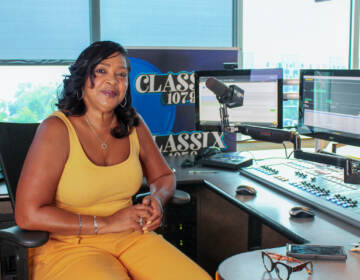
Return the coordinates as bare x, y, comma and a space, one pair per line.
15, 140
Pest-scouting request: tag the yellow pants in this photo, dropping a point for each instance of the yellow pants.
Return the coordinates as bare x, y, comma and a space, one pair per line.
120, 256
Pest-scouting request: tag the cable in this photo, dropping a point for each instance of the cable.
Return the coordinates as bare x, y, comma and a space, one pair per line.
285, 149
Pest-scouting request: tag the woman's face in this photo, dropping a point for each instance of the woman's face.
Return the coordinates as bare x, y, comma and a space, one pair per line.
110, 84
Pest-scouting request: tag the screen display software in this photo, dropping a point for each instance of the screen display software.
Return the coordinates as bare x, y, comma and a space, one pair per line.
329, 105
262, 104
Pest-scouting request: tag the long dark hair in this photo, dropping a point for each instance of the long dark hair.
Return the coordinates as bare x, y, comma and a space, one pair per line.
70, 99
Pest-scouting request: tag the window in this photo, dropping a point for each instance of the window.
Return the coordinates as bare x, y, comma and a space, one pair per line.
281, 33
200, 23
28, 93
43, 29
296, 35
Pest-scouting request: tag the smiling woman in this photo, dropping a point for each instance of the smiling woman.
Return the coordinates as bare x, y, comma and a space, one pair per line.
108, 87
103, 149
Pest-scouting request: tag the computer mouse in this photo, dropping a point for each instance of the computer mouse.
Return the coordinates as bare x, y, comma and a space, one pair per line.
207, 152
301, 212
188, 163
245, 190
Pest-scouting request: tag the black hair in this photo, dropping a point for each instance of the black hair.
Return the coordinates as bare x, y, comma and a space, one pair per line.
70, 98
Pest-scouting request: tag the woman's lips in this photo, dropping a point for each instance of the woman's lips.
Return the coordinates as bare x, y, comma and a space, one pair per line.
109, 93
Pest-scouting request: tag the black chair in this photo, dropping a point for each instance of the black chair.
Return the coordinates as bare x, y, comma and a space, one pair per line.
15, 140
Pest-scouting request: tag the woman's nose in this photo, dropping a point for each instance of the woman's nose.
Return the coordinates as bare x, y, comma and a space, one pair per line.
111, 79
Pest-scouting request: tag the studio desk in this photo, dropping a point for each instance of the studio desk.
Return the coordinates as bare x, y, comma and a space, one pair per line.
228, 224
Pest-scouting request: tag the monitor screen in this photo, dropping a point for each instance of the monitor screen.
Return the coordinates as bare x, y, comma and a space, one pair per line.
262, 104
329, 105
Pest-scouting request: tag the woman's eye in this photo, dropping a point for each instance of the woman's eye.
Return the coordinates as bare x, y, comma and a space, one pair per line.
100, 70
122, 75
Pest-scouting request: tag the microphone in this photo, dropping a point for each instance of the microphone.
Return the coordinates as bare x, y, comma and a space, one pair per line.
269, 134
232, 96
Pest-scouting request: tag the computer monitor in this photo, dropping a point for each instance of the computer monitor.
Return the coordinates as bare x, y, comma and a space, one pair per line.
262, 105
329, 105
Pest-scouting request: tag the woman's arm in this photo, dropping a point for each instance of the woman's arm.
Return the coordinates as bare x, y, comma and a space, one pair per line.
159, 176
35, 208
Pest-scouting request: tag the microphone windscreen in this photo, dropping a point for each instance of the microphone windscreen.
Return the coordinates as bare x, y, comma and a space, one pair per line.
217, 87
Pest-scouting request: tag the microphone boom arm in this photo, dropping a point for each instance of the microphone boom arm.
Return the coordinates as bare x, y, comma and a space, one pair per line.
268, 134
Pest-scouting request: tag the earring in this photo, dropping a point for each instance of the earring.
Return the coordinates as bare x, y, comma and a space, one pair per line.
79, 96
122, 105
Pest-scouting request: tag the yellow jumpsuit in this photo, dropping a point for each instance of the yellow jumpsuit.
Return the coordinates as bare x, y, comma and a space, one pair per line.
90, 189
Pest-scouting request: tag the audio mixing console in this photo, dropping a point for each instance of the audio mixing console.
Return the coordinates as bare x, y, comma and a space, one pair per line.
319, 185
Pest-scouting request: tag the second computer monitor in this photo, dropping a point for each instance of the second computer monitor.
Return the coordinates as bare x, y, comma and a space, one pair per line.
262, 105
329, 105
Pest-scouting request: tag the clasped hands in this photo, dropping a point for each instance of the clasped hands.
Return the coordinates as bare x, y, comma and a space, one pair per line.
145, 216
152, 219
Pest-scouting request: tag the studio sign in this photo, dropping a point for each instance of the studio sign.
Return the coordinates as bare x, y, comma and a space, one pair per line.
176, 88
188, 143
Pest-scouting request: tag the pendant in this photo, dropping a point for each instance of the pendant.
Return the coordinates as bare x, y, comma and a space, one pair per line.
104, 146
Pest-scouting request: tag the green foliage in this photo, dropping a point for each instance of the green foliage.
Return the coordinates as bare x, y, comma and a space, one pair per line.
3, 109
32, 103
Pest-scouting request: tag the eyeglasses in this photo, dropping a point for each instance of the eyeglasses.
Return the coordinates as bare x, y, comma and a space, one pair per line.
284, 270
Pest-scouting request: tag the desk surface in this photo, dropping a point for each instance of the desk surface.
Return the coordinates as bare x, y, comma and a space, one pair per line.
249, 265
270, 206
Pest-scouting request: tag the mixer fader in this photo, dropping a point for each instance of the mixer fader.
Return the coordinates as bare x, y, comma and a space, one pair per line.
320, 185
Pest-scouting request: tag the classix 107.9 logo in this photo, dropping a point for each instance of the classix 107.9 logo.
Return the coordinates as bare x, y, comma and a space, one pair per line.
175, 89
188, 143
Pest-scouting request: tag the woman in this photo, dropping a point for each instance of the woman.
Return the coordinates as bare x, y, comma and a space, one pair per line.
85, 163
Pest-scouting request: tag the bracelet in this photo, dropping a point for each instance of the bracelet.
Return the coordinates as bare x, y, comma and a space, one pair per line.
95, 225
80, 224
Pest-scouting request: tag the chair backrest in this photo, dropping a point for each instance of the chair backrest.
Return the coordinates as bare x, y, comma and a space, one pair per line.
15, 140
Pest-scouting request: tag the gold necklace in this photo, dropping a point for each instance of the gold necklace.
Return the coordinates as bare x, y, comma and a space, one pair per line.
103, 142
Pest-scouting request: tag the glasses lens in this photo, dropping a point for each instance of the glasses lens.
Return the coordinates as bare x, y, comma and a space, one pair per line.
267, 262
309, 267
282, 271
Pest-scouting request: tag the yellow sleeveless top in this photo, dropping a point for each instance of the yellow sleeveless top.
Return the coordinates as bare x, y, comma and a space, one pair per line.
90, 189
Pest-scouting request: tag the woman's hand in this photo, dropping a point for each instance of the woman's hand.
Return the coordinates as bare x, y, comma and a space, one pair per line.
154, 221
130, 218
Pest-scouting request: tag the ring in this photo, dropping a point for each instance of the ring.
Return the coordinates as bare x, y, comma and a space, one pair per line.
141, 221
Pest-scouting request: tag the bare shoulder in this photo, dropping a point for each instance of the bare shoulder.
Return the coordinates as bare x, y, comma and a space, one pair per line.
53, 127
153, 163
142, 127
52, 132
144, 135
